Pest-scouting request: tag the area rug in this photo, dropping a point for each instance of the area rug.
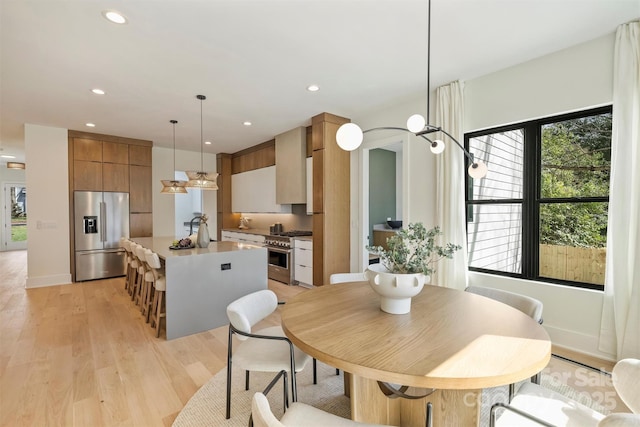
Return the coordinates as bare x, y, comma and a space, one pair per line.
207, 406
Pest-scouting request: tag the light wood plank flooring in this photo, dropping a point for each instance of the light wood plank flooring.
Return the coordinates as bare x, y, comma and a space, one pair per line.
82, 355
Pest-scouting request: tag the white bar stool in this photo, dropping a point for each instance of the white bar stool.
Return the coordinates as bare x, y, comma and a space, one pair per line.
126, 245
147, 291
142, 269
134, 264
158, 307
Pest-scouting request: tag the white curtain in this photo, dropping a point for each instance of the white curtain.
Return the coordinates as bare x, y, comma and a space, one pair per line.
620, 327
450, 170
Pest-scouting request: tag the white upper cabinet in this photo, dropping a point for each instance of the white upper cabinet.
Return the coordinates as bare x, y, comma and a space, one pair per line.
291, 151
255, 192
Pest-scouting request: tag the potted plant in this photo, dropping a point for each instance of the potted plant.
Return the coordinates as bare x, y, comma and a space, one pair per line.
406, 265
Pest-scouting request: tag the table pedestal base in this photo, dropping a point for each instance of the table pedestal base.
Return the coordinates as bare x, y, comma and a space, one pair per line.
450, 407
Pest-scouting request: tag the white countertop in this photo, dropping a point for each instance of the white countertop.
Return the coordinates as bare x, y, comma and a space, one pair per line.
160, 245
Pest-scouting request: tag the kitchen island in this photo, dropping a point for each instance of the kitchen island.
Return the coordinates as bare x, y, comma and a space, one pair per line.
201, 282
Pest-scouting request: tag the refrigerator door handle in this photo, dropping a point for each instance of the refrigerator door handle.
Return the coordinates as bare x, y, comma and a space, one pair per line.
103, 225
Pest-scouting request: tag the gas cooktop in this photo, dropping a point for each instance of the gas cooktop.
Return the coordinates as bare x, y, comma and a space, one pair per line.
294, 233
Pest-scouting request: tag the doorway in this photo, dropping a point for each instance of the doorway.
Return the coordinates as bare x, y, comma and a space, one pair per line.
14, 217
396, 144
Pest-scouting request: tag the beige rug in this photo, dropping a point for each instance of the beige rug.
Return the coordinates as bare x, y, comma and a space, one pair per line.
207, 406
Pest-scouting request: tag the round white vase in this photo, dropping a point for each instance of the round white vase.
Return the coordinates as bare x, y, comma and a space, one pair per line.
395, 290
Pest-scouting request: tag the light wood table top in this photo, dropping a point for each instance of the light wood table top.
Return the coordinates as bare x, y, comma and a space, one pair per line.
450, 340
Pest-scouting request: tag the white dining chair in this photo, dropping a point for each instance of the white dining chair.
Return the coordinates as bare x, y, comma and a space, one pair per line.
297, 415
528, 305
535, 405
264, 350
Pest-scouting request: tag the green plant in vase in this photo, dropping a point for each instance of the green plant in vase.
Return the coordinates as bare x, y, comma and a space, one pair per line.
413, 250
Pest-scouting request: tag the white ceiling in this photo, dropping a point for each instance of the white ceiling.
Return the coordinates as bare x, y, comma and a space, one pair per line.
253, 60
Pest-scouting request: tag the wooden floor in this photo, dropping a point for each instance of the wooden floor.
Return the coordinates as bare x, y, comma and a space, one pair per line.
82, 355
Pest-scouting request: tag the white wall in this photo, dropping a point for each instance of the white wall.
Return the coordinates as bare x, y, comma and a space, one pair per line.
164, 204
576, 78
568, 80
47, 180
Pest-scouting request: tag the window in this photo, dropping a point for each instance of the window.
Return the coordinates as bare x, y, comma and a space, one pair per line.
541, 211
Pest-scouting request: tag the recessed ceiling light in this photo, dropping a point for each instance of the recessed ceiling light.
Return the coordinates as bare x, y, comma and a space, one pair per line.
207, 142
97, 91
114, 16
7, 156
91, 125
313, 88
247, 123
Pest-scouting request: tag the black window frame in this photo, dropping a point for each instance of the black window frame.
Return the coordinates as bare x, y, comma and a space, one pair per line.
531, 199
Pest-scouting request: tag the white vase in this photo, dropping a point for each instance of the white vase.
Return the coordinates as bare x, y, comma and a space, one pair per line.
202, 240
395, 290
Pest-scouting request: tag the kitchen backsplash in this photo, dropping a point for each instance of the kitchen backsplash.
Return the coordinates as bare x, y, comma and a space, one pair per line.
297, 220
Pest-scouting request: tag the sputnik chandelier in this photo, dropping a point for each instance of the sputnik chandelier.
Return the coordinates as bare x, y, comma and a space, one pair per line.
350, 135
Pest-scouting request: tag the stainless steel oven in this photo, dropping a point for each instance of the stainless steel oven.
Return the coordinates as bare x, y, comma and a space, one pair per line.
280, 267
280, 255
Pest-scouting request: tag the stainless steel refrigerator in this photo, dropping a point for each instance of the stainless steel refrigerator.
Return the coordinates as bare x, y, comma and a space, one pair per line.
101, 219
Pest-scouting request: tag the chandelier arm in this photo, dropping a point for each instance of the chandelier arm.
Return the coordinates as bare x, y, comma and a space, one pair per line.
385, 128
431, 129
466, 153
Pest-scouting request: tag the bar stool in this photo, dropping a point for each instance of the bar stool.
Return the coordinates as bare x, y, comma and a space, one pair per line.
135, 263
158, 307
138, 274
148, 287
126, 245
142, 270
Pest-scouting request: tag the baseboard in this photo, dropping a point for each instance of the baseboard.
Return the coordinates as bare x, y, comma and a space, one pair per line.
577, 342
44, 281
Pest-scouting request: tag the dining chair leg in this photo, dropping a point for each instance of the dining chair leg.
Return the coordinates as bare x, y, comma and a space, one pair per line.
286, 391
246, 380
315, 371
512, 390
228, 413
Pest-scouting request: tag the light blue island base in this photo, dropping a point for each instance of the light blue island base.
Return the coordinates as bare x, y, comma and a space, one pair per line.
201, 282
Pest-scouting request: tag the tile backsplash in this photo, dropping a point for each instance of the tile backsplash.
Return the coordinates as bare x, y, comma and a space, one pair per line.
297, 220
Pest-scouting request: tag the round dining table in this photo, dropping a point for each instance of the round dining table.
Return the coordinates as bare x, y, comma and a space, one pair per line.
450, 346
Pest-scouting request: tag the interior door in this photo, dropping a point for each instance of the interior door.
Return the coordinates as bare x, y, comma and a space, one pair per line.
14, 236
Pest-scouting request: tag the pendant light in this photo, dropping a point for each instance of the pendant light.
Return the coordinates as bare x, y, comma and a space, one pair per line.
350, 135
200, 179
173, 186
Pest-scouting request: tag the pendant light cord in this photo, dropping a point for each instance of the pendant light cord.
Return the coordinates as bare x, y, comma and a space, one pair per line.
428, 59
174, 148
201, 138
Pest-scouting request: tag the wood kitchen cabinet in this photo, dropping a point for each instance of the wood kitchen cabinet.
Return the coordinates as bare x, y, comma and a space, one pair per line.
139, 155
140, 195
114, 152
111, 163
87, 176
100, 165
309, 181
331, 200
